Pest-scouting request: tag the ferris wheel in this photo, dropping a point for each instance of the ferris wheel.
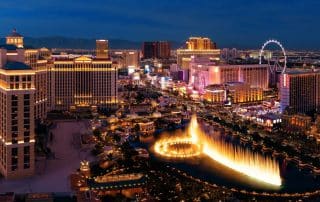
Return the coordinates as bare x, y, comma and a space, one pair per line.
276, 66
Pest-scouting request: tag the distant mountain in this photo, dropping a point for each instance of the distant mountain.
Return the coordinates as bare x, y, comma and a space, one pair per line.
80, 43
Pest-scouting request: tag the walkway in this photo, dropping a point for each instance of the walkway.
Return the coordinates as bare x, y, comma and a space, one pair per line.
52, 174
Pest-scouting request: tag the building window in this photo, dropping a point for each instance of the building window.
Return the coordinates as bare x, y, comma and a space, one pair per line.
26, 109
14, 103
26, 150
14, 164
14, 140
26, 102
26, 121
26, 162
14, 151
14, 137
26, 139
14, 97
14, 128
14, 115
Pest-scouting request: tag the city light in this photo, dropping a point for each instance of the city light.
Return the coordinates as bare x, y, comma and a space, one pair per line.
160, 108
242, 160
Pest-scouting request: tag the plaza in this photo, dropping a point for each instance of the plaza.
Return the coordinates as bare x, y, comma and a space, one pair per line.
52, 174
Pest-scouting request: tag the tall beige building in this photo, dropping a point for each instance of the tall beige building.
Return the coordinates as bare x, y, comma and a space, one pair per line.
126, 58
39, 64
31, 84
300, 91
84, 82
200, 43
17, 90
37, 60
102, 48
15, 39
197, 47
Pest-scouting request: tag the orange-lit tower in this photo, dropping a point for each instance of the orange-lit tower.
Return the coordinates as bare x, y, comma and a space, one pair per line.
15, 39
102, 49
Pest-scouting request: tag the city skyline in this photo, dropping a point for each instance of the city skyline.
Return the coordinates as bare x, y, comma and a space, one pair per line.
241, 24
136, 100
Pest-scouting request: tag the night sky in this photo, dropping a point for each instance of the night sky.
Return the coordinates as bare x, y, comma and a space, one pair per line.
242, 23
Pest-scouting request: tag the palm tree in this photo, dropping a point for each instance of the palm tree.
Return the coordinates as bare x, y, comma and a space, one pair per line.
110, 156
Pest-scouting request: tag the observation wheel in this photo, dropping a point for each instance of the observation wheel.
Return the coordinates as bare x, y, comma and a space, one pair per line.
276, 66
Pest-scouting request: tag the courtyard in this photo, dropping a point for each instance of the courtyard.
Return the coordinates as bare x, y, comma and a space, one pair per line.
52, 175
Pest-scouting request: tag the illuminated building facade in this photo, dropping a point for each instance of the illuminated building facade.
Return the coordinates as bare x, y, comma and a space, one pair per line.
239, 92
203, 73
163, 49
296, 122
44, 53
15, 39
40, 65
126, 58
31, 84
84, 82
37, 60
200, 43
197, 47
232, 92
147, 127
156, 49
102, 49
300, 91
229, 54
148, 50
17, 103
215, 94
268, 120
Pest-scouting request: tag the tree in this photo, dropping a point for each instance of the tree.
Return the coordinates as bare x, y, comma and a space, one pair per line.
98, 148
127, 150
136, 128
116, 137
108, 139
97, 133
110, 156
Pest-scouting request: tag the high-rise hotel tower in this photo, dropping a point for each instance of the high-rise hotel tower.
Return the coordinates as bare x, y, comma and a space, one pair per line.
300, 91
33, 83
201, 47
102, 48
84, 82
17, 104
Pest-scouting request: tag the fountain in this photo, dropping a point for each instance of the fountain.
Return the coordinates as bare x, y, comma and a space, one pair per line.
195, 142
177, 148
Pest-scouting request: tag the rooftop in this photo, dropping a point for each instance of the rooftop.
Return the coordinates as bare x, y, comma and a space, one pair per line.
234, 83
16, 66
301, 71
271, 116
14, 33
8, 46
